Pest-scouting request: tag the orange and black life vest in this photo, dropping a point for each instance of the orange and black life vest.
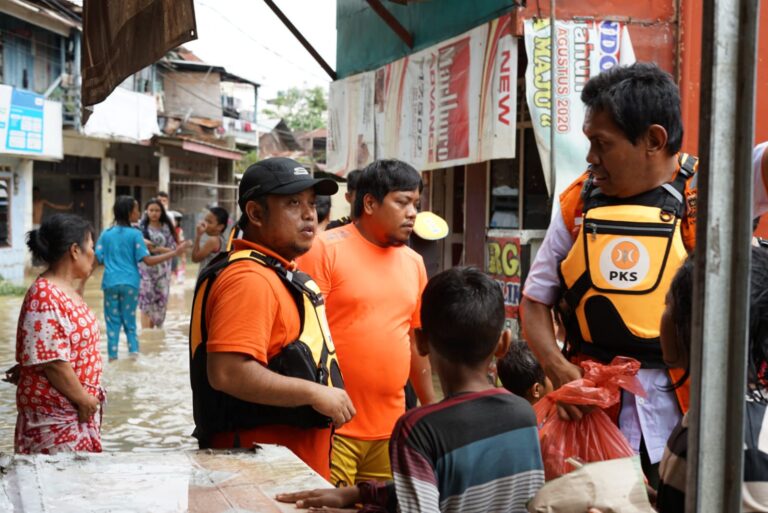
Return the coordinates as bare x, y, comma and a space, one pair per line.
616, 275
311, 356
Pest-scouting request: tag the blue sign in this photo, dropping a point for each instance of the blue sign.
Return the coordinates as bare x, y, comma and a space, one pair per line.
25, 122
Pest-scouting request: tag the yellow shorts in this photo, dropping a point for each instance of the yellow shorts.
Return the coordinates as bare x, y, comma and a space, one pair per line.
354, 461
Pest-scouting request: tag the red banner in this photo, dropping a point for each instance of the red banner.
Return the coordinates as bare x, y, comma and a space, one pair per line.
503, 265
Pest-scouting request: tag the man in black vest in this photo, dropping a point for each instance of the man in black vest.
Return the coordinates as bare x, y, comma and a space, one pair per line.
250, 315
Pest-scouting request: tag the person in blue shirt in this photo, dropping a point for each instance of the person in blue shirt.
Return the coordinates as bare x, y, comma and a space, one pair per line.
120, 248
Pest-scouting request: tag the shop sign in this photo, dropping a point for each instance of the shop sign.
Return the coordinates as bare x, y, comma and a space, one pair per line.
450, 104
29, 124
503, 265
583, 49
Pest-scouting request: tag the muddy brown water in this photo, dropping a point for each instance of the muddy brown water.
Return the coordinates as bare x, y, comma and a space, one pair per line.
149, 403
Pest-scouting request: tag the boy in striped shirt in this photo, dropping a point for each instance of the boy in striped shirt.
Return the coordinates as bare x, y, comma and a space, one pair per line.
478, 449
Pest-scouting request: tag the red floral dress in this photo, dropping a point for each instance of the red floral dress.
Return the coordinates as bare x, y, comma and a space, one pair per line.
53, 326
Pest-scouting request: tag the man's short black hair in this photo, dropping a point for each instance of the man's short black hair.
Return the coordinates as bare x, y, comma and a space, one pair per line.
381, 177
161, 194
323, 207
519, 370
636, 97
352, 178
462, 314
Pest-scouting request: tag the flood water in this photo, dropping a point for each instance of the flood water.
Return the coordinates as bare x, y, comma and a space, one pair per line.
149, 399
149, 402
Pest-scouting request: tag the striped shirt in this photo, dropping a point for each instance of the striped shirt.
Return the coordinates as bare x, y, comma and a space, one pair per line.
754, 491
472, 452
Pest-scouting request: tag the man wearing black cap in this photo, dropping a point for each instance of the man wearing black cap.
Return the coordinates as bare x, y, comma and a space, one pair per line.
263, 365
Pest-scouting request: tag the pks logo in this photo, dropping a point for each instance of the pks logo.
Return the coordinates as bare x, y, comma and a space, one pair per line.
300, 171
624, 263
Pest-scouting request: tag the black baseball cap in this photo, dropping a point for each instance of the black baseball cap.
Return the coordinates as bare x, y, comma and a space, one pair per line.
282, 176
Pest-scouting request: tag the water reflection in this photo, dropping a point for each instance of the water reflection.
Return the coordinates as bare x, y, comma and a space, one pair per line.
150, 401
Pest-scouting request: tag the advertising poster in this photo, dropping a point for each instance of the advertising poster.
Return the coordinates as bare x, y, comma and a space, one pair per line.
29, 124
450, 104
503, 265
582, 50
350, 143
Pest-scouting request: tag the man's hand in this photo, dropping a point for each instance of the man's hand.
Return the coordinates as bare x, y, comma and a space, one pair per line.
328, 497
87, 407
560, 373
334, 403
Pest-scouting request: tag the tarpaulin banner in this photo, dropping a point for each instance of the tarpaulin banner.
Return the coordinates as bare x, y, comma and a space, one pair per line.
452, 103
120, 38
350, 142
503, 265
582, 50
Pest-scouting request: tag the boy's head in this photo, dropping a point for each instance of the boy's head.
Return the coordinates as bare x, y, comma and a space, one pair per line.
462, 317
521, 374
216, 221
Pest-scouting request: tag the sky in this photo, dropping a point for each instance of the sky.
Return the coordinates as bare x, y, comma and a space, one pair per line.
248, 39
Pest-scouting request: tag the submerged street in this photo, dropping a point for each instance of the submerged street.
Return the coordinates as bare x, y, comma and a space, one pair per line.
149, 402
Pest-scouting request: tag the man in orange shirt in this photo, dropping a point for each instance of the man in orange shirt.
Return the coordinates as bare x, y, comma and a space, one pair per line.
372, 283
247, 327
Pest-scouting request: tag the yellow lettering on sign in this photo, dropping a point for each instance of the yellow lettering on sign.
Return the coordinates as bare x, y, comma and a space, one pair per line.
540, 24
510, 260
494, 258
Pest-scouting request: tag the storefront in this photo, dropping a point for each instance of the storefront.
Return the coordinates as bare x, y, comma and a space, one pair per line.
467, 97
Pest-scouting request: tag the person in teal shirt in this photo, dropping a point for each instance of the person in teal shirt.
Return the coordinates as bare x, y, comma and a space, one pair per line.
120, 248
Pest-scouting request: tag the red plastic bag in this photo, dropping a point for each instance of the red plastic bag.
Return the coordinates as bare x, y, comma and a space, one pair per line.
594, 437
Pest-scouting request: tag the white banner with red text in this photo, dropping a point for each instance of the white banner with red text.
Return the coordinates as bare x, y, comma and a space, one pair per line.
582, 50
450, 104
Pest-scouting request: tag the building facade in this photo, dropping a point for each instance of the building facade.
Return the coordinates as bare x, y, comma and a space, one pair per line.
177, 126
498, 203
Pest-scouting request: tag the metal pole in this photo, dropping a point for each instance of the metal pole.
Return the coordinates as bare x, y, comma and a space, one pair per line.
552, 103
721, 279
303, 40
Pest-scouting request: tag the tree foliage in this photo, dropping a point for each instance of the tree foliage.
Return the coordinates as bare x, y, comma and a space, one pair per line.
249, 158
302, 109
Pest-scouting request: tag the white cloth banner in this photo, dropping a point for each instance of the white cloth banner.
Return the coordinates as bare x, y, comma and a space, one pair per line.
450, 104
350, 143
583, 49
124, 114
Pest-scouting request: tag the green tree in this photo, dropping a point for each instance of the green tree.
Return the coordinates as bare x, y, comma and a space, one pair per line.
302, 109
249, 158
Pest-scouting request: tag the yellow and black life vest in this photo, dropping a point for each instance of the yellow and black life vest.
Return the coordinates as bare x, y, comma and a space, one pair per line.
616, 276
312, 356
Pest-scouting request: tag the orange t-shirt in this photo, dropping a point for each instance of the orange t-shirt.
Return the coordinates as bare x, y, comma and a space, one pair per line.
373, 299
250, 311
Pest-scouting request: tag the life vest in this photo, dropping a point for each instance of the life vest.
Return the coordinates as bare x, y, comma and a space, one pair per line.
617, 274
311, 356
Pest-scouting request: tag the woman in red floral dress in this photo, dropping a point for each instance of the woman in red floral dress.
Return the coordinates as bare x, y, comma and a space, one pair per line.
57, 345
